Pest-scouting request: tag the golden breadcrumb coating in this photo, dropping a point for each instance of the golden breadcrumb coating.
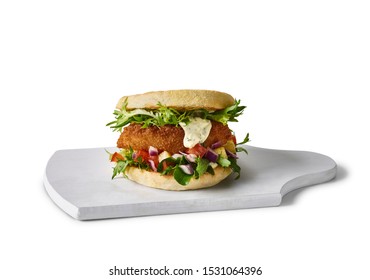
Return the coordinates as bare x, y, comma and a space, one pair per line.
167, 138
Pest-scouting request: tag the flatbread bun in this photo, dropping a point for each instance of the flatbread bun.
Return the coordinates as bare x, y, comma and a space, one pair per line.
183, 99
167, 182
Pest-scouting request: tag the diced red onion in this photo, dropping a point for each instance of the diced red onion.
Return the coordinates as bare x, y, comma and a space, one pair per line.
187, 168
153, 151
216, 145
189, 157
230, 154
175, 156
152, 165
211, 155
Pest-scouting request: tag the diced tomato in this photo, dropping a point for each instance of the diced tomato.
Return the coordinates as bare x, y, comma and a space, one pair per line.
116, 157
144, 155
197, 150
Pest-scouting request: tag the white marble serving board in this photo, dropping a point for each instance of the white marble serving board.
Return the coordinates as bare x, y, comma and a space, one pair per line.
79, 182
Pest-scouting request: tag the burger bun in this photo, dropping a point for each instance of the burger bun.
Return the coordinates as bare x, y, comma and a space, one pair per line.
182, 100
167, 182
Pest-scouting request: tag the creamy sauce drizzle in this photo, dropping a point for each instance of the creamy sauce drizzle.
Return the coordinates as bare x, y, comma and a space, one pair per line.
196, 131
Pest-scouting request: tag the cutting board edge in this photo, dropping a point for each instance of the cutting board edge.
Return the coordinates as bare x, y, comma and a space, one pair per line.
309, 180
169, 208
62, 203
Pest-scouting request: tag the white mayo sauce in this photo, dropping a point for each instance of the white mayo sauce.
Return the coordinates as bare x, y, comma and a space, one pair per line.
196, 131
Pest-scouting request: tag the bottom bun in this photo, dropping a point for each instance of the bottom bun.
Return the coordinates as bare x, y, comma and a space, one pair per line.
167, 182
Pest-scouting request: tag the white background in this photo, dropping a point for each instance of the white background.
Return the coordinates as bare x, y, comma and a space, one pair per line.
301, 67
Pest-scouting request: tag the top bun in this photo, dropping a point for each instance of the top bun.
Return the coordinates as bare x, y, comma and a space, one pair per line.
183, 99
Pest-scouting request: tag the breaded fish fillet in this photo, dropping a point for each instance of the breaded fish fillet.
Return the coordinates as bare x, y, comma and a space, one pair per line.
167, 138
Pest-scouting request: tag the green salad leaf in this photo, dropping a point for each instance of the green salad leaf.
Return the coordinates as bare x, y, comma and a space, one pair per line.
246, 140
228, 114
202, 166
242, 149
120, 168
128, 160
235, 167
164, 115
181, 177
233, 162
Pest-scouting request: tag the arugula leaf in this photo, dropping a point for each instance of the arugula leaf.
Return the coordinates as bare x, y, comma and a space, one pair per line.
181, 177
202, 165
233, 162
235, 167
246, 140
228, 114
120, 168
210, 170
169, 160
128, 160
164, 115
241, 149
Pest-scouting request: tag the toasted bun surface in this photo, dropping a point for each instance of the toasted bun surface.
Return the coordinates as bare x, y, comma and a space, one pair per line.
185, 99
167, 182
